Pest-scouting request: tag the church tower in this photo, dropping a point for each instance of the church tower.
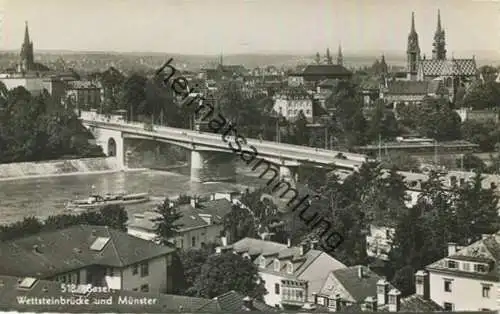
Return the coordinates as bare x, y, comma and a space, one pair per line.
412, 51
340, 57
27, 58
439, 50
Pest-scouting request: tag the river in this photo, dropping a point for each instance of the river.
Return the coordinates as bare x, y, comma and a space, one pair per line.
43, 197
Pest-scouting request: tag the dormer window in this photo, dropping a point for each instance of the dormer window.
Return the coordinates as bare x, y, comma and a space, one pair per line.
289, 268
480, 268
262, 262
452, 264
276, 265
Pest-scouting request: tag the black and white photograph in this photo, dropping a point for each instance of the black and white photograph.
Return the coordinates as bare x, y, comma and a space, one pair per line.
226, 156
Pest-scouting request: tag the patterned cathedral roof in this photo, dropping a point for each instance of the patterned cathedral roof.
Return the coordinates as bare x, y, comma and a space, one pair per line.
465, 67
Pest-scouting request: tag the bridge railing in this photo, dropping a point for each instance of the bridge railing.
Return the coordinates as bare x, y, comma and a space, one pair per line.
111, 119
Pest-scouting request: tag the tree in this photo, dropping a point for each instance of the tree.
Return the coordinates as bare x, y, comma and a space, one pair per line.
488, 73
225, 272
301, 131
402, 162
482, 96
29, 225
114, 216
404, 280
192, 262
167, 226
485, 134
476, 211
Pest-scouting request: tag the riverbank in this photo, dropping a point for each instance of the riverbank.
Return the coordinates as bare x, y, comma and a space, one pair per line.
58, 168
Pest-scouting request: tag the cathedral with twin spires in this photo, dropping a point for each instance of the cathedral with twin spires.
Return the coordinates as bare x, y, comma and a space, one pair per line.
454, 73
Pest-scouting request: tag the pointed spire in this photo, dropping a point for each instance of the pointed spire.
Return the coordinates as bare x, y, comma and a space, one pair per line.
340, 57
439, 21
413, 23
26, 33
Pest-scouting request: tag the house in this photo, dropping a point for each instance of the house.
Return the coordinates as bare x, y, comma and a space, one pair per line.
20, 293
318, 72
84, 94
379, 240
467, 278
291, 274
233, 302
406, 92
201, 223
357, 288
86, 254
290, 101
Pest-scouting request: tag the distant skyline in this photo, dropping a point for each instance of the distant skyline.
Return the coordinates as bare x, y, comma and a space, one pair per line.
200, 27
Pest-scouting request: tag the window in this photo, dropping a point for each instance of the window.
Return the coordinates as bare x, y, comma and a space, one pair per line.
448, 306
420, 280
387, 233
289, 268
193, 241
144, 269
447, 285
145, 288
452, 264
135, 269
480, 268
486, 291
135, 289
277, 288
276, 265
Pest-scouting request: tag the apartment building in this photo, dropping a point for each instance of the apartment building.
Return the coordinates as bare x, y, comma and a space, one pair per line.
468, 278
201, 222
291, 274
85, 254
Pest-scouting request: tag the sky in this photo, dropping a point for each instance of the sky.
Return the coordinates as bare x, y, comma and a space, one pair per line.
248, 26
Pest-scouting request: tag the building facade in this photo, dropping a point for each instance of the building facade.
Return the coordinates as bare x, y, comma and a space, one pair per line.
291, 274
467, 279
289, 102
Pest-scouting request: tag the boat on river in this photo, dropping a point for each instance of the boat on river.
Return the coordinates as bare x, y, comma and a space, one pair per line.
96, 201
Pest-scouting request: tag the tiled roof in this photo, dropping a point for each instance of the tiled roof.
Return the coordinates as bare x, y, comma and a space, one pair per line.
485, 250
318, 260
190, 216
326, 70
408, 88
415, 303
349, 285
232, 301
293, 91
10, 292
465, 67
68, 249
329, 83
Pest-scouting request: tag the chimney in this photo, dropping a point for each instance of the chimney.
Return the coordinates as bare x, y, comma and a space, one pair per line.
248, 302
289, 242
318, 89
304, 247
452, 248
382, 290
371, 304
223, 241
422, 287
360, 272
314, 244
194, 202
394, 300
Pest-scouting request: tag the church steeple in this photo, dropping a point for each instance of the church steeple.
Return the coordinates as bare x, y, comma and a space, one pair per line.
412, 50
439, 50
27, 58
340, 57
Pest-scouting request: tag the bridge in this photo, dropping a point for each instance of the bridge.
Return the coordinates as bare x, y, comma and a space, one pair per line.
211, 156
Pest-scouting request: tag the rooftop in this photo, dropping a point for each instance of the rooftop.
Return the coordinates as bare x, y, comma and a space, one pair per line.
49, 253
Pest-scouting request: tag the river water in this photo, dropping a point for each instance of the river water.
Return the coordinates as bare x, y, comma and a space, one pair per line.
43, 197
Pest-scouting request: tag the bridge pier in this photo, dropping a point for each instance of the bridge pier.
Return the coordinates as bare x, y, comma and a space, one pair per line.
289, 174
207, 166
